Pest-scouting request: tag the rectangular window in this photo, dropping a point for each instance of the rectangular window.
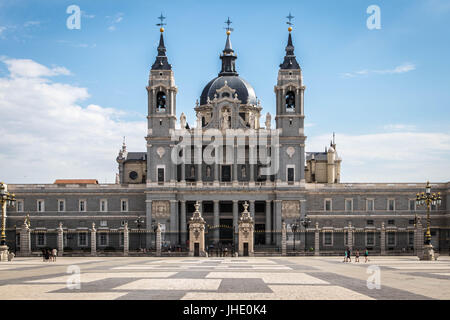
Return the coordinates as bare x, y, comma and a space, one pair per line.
160, 174
124, 205
103, 239
391, 222
391, 205
82, 205
391, 238
19, 205
61, 206
348, 204
370, 204
40, 206
411, 238
433, 207
370, 222
328, 241
412, 205
41, 239
123, 222
290, 174
103, 223
370, 238
103, 205
411, 221
327, 205
82, 239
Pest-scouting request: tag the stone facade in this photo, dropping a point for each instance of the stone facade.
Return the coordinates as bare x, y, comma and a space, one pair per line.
152, 187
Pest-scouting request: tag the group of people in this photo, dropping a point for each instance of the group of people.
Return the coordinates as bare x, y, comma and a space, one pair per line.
348, 255
49, 255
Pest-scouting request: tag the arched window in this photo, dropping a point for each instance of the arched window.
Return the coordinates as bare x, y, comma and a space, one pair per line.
290, 101
161, 101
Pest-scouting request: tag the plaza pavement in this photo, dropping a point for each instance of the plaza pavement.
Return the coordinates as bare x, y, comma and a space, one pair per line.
285, 278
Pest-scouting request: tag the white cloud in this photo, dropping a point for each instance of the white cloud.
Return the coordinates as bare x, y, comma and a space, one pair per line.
29, 69
46, 133
405, 67
399, 126
114, 20
31, 23
403, 156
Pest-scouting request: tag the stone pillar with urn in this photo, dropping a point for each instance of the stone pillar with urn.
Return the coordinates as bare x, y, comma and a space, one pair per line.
197, 233
246, 229
60, 240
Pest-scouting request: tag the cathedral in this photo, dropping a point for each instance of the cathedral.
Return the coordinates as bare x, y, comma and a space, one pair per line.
223, 160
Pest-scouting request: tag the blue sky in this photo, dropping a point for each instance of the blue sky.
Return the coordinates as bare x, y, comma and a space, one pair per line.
384, 92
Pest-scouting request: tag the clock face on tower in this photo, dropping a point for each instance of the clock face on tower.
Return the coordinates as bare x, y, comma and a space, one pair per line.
133, 175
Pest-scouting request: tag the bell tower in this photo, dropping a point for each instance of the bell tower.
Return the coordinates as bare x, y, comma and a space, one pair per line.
289, 93
161, 117
162, 93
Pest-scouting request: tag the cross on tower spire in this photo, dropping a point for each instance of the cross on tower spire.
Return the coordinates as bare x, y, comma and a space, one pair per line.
290, 17
228, 28
161, 18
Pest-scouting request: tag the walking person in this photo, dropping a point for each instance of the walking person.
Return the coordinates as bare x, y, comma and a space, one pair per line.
366, 255
54, 253
345, 255
43, 255
357, 255
349, 255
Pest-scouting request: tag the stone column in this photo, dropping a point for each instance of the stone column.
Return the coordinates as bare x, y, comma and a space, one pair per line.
148, 223
418, 239
235, 222
235, 165
283, 239
350, 236
25, 240
317, 240
126, 240
158, 240
252, 208
60, 240
251, 166
383, 239
277, 214
173, 221
216, 173
93, 240
216, 221
183, 222
268, 222
183, 171
199, 167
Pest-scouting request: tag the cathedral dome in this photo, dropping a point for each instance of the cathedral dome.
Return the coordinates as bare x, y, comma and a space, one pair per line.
244, 90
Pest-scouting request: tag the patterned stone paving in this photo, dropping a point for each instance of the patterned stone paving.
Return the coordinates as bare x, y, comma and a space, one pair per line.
285, 278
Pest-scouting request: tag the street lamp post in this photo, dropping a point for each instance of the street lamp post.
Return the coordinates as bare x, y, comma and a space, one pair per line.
305, 222
427, 199
6, 199
139, 221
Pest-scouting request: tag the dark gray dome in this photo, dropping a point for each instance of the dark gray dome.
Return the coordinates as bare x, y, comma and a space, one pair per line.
243, 89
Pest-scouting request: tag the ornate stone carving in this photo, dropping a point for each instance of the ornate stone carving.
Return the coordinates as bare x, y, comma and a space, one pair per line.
290, 151
160, 151
160, 209
182, 120
290, 209
268, 121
